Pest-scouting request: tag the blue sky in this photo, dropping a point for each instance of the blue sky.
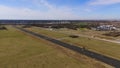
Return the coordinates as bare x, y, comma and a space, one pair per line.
60, 9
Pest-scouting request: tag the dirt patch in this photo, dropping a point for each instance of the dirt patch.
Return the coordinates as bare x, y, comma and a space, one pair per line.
113, 34
74, 36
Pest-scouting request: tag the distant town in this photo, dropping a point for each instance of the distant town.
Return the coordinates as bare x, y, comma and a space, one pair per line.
104, 25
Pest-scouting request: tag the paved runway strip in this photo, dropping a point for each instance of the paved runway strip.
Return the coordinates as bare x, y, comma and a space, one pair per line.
100, 57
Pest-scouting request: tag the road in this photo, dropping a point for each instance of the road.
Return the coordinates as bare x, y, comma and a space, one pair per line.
99, 57
113, 41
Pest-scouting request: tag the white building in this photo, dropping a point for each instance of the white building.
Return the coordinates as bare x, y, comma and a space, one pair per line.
106, 28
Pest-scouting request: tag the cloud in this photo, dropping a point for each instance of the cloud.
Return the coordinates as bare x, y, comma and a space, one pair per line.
45, 3
52, 12
7, 12
104, 2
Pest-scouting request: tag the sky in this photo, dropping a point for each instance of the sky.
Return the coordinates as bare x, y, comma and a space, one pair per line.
60, 9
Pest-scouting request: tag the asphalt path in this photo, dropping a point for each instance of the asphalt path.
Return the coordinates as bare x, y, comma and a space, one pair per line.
99, 57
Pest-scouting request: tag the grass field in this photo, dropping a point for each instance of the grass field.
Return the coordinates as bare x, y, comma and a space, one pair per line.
102, 47
18, 50
88, 32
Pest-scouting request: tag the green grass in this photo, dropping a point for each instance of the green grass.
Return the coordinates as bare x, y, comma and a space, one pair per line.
102, 47
106, 48
47, 32
18, 50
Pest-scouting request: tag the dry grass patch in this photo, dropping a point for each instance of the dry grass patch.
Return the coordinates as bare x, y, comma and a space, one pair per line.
18, 50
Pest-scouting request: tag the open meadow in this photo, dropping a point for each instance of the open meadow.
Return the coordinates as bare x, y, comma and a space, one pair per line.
17, 50
102, 47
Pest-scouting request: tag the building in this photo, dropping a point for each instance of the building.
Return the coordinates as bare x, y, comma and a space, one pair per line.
106, 28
